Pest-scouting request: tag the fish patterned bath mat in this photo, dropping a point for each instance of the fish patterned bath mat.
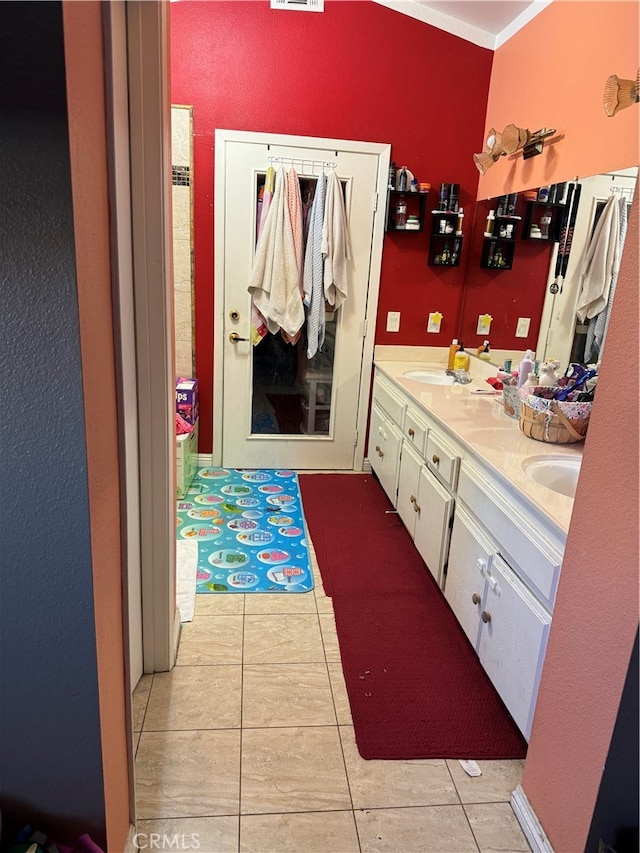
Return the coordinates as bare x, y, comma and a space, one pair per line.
250, 529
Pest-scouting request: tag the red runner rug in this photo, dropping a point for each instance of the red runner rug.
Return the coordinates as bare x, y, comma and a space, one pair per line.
415, 684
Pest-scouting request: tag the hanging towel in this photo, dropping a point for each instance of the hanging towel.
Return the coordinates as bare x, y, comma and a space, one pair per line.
601, 262
258, 324
598, 325
294, 202
273, 283
335, 243
313, 272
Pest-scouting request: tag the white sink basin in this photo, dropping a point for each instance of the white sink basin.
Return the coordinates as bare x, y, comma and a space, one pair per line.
558, 473
429, 377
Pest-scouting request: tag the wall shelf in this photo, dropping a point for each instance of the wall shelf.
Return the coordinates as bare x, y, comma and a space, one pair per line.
534, 213
445, 245
416, 204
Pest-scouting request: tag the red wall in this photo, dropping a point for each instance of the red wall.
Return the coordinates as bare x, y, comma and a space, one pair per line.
357, 71
505, 294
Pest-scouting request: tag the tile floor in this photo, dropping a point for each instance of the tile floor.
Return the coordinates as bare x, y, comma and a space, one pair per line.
248, 747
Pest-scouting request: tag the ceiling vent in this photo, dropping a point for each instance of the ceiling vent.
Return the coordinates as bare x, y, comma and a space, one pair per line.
298, 5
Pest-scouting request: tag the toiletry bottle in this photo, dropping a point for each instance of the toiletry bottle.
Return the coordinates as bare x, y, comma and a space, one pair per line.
401, 212
459, 222
414, 185
454, 194
526, 367
402, 179
461, 359
545, 222
392, 176
444, 196
453, 349
532, 381
483, 351
491, 220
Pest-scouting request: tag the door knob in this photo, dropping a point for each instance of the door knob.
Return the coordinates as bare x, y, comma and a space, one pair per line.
234, 337
476, 598
486, 617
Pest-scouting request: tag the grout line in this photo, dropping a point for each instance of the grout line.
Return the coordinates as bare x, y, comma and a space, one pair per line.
470, 827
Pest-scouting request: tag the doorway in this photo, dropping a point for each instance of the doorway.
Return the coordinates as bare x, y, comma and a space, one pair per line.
272, 405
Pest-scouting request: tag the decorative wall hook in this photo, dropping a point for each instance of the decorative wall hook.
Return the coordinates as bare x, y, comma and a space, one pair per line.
620, 94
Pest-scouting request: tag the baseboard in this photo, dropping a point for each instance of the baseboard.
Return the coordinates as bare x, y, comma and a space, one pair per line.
131, 846
529, 823
205, 460
177, 627
366, 466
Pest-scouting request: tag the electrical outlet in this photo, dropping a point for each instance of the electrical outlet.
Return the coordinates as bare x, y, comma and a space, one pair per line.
393, 321
522, 329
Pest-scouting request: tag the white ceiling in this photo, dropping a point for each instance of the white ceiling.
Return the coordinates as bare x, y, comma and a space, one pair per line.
488, 23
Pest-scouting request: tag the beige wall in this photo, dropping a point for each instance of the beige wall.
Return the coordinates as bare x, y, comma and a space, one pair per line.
87, 133
552, 74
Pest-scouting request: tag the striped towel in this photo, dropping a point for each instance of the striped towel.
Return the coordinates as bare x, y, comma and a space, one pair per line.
313, 272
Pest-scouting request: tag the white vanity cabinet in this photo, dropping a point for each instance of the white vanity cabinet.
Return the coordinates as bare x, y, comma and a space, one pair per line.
426, 508
505, 623
385, 441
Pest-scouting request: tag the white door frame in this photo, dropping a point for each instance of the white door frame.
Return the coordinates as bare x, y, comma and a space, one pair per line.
150, 167
383, 152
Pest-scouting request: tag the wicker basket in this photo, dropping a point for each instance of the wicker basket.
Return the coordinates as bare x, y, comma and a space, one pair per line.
552, 427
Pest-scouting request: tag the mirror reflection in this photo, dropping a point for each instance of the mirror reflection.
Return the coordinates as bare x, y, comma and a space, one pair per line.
532, 255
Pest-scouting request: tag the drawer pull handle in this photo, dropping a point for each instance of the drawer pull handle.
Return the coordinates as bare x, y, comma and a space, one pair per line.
435, 459
486, 617
416, 508
378, 449
476, 598
381, 454
412, 499
411, 433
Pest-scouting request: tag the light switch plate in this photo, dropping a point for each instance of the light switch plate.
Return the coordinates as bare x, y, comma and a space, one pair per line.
393, 321
522, 329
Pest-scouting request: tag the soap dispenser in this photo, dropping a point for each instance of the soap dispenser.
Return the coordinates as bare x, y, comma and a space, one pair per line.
526, 367
453, 349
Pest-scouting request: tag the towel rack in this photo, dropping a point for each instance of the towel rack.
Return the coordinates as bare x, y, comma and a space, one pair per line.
315, 164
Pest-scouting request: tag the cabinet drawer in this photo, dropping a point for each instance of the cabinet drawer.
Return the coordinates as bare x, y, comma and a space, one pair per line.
415, 430
442, 459
389, 401
521, 537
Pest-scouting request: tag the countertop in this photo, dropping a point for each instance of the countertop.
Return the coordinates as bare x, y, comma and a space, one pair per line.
479, 424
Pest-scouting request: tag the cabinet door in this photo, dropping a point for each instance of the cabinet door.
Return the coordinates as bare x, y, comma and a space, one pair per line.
469, 557
433, 518
410, 464
385, 440
513, 641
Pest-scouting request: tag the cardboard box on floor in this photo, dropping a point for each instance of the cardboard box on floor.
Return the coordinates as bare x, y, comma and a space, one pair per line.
186, 460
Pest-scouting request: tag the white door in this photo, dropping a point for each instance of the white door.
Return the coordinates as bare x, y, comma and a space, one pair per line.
279, 409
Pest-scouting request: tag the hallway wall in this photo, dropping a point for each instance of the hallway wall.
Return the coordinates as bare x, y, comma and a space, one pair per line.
357, 71
51, 760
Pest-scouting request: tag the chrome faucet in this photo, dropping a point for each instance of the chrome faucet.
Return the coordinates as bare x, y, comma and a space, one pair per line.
461, 376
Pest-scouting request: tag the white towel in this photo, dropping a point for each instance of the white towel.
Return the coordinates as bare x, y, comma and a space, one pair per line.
601, 262
335, 244
313, 272
273, 283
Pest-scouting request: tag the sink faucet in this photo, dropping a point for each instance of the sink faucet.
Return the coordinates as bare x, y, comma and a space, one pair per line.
461, 376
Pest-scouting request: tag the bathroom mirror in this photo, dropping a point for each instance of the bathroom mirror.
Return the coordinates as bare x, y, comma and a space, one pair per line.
526, 292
